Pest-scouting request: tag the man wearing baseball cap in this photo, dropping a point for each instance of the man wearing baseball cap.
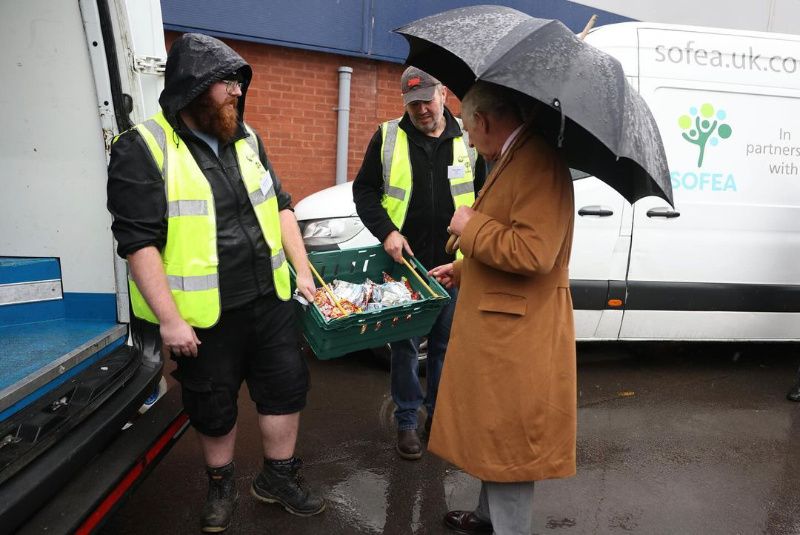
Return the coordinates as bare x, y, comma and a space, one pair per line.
416, 171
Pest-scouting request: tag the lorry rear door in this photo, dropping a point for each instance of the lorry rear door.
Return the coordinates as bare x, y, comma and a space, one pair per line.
71, 442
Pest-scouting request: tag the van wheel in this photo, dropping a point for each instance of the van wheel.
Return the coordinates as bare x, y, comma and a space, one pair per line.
384, 356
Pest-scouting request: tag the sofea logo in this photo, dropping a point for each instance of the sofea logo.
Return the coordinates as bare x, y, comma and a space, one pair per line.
704, 127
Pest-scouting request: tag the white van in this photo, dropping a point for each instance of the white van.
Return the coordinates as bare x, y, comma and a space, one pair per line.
724, 264
73, 444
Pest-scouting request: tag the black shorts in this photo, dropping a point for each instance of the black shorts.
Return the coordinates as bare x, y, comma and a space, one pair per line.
257, 343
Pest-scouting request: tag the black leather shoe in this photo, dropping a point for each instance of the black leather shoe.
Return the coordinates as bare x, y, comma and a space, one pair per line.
466, 522
281, 482
794, 393
408, 444
221, 500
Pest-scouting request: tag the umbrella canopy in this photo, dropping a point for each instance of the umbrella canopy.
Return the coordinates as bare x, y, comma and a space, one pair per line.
603, 125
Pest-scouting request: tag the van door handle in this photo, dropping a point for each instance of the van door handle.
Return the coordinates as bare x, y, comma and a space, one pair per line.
600, 211
663, 212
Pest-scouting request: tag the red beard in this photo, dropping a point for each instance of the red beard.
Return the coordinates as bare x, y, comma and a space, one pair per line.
221, 120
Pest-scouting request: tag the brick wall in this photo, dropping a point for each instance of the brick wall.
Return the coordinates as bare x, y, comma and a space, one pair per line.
292, 104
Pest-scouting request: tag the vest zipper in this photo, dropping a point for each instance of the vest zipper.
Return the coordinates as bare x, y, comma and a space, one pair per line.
432, 232
253, 247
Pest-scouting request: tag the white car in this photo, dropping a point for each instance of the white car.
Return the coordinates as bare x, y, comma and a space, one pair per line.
328, 220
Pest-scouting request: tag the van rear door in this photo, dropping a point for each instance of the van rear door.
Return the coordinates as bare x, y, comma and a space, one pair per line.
71, 442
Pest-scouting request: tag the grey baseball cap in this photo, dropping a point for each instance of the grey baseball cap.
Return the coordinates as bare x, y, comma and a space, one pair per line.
416, 84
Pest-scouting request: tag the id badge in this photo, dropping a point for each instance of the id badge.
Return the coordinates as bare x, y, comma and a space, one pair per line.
266, 183
455, 171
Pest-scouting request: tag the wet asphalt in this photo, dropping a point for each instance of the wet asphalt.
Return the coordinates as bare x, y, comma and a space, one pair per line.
672, 439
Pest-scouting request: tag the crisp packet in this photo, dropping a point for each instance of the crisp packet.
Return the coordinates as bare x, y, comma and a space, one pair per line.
347, 291
394, 293
366, 297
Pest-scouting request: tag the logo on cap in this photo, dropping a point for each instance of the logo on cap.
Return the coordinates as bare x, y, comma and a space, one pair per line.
413, 82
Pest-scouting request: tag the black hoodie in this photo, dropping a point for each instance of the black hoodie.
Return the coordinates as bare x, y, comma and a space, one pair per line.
196, 61
136, 195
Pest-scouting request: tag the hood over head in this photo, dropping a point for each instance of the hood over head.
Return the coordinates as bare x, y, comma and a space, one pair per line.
194, 62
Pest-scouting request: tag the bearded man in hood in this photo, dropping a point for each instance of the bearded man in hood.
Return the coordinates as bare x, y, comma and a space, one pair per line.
207, 229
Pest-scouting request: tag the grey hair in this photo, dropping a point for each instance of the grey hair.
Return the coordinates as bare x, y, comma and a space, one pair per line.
497, 101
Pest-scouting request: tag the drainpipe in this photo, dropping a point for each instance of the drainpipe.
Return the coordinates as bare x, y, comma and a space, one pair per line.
343, 127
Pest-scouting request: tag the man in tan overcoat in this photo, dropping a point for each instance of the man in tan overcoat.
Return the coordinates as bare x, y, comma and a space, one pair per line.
507, 403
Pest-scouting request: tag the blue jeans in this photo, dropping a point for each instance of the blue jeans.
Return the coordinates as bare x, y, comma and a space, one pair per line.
406, 388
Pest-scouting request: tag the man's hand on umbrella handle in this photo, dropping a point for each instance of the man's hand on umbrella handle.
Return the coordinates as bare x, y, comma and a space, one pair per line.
460, 219
443, 274
179, 339
394, 245
453, 242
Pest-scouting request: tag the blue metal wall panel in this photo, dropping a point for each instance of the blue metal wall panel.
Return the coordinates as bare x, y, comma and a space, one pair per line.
30, 313
90, 306
394, 14
350, 27
336, 26
73, 306
15, 270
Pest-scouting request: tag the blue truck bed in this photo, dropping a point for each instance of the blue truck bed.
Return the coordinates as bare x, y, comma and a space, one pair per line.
68, 385
44, 339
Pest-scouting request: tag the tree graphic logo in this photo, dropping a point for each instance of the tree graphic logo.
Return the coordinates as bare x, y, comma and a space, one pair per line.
700, 127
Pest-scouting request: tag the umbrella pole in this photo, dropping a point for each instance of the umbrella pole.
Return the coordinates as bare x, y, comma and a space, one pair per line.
589, 26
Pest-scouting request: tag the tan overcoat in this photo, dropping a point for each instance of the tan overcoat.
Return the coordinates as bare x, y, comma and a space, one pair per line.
506, 407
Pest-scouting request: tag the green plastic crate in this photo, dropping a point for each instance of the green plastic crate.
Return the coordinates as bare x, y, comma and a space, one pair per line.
337, 337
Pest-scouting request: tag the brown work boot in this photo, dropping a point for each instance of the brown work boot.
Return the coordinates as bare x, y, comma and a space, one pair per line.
221, 500
280, 482
408, 444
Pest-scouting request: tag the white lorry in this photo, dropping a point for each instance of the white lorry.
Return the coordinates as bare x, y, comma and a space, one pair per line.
72, 443
724, 264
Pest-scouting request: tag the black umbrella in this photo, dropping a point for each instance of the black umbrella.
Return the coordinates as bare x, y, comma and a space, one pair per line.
604, 127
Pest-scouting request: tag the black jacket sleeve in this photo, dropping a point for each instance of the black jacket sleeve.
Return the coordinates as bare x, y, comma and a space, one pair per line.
137, 198
368, 190
283, 196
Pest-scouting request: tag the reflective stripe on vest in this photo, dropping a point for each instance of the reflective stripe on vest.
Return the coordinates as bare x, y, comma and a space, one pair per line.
397, 172
190, 254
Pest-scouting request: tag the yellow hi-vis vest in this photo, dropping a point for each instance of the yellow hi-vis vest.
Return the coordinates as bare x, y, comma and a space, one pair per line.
397, 178
190, 254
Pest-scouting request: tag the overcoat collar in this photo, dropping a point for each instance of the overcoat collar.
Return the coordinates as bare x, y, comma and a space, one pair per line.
504, 160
